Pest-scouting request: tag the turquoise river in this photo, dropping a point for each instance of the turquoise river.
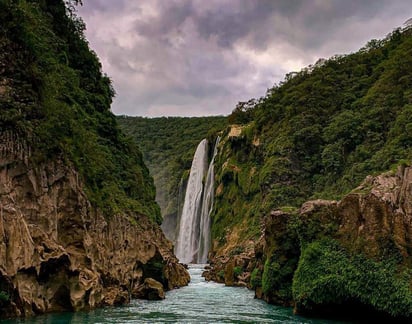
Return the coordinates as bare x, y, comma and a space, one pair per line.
200, 302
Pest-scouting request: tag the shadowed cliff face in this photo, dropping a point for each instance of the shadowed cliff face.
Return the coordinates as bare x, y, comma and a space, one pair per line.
59, 253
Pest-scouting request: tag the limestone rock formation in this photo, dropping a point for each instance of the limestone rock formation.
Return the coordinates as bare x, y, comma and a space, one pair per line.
374, 217
57, 252
150, 289
374, 220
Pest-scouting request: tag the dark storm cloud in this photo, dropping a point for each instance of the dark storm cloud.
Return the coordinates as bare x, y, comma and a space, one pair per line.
182, 57
259, 22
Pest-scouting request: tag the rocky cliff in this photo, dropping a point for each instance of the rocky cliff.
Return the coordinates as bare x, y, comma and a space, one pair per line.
287, 220
79, 225
57, 252
331, 256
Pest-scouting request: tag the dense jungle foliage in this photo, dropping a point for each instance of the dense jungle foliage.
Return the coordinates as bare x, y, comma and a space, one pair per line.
55, 96
319, 132
168, 145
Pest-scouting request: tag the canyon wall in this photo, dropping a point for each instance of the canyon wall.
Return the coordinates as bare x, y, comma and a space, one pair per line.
57, 252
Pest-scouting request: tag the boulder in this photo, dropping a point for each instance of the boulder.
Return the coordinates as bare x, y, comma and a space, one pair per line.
150, 289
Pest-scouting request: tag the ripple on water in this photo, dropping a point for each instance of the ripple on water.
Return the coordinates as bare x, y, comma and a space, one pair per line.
199, 302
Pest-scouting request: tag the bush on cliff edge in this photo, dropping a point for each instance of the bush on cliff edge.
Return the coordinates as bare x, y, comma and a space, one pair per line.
328, 276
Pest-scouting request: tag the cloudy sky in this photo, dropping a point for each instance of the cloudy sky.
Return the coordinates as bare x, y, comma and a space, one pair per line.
201, 57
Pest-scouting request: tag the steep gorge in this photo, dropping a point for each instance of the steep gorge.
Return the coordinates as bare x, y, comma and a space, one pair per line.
168, 145
294, 217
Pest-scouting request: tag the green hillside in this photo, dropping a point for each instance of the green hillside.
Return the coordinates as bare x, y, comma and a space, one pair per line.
55, 97
318, 135
168, 145
319, 132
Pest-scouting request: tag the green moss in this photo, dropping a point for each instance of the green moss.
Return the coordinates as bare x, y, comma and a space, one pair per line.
276, 278
288, 209
328, 275
236, 251
256, 278
221, 275
4, 297
237, 271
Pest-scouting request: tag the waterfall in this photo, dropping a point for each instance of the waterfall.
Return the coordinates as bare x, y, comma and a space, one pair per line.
193, 240
207, 206
188, 238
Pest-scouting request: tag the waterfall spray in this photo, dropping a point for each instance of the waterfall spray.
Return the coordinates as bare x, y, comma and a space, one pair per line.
207, 206
193, 240
188, 238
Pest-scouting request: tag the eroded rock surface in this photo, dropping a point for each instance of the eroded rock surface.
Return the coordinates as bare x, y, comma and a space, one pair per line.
374, 220
59, 253
150, 289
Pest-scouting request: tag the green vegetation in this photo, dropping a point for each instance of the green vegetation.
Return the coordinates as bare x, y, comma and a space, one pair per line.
318, 133
221, 275
328, 275
309, 266
4, 297
256, 278
237, 271
282, 260
168, 145
60, 103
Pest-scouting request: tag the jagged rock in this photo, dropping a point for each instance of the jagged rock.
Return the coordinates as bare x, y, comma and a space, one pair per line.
378, 215
115, 296
375, 216
223, 264
229, 273
176, 275
375, 220
150, 289
57, 252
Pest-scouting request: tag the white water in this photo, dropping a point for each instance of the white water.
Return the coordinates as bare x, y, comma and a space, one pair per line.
187, 244
207, 207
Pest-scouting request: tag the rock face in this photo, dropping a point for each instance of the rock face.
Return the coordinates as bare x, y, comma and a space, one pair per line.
374, 220
230, 268
378, 215
150, 289
59, 253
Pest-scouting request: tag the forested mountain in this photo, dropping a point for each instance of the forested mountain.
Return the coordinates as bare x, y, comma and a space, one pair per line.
318, 134
78, 225
168, 145
321, 131
62, 105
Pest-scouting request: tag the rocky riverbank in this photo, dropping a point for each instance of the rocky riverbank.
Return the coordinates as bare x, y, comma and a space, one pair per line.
370, 227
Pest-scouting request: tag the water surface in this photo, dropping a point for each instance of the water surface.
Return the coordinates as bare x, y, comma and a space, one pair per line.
200, 302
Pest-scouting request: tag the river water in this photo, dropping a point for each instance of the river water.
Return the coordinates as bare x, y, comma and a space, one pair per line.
200, 302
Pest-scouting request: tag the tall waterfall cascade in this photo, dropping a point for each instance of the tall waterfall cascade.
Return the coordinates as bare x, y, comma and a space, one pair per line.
193, 240
207, 206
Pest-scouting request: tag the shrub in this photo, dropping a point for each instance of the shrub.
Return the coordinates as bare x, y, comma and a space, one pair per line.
221, 274
328, 275
237, 271
256, 278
